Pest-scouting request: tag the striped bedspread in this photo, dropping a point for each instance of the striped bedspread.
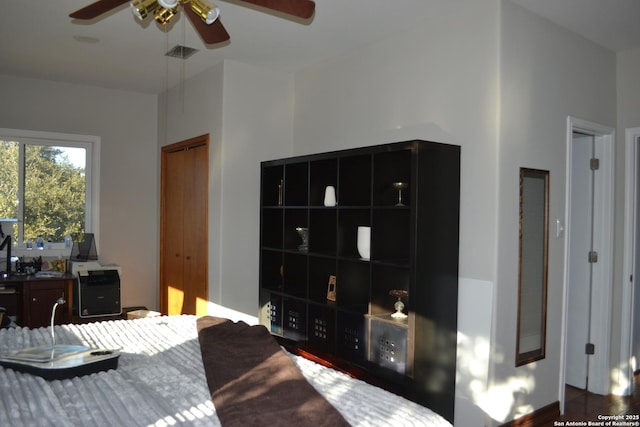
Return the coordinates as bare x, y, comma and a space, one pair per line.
160, 381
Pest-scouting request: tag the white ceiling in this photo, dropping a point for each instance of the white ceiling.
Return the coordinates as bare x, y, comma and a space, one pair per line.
39, 40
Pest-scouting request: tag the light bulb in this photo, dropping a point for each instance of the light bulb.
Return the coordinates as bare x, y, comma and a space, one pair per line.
168, 4
209, 12
142, 8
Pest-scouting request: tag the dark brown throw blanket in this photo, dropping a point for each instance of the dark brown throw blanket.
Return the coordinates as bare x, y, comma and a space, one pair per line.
253, 382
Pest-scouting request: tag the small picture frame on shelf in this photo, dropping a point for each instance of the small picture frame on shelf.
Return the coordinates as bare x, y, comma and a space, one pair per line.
331, 288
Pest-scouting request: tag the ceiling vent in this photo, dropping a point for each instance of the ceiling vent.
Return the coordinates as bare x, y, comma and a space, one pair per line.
181, 52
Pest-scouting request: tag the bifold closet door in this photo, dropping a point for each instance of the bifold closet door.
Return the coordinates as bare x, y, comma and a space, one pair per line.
184, 231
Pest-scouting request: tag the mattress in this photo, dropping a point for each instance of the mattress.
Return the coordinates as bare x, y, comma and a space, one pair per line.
160, 381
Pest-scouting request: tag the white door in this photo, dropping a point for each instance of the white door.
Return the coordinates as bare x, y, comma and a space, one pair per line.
580, 277
588, 286
635, 293
630, 308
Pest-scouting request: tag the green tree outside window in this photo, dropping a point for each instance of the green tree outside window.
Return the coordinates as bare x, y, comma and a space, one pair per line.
53, 190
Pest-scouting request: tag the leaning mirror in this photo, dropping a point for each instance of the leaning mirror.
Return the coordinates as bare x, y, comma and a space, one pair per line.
533, 265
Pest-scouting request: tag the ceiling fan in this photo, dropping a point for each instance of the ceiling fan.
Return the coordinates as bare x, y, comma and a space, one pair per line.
203, 14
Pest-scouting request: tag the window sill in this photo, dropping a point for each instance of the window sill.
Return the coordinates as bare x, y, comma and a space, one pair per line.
45, 253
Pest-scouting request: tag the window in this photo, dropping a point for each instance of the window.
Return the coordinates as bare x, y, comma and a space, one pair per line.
46, 183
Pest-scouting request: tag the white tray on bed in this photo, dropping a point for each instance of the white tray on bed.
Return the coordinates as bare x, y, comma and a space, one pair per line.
60, 361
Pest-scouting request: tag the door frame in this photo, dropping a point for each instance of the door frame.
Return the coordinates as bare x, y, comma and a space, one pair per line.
599, 366
624, 378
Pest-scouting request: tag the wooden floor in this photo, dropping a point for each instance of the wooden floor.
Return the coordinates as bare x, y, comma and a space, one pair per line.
583, 406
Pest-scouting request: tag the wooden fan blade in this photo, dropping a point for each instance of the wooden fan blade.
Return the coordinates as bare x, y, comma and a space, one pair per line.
300, 8
210, 34
97, 9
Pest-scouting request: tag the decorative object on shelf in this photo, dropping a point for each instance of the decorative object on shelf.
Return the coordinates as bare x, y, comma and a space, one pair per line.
330, 196
280, 192
398, 185
304, 235
28, 267
399, 305
331, 288
364, 241
59, 265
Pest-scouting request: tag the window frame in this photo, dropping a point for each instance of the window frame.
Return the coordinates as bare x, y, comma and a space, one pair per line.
92, 173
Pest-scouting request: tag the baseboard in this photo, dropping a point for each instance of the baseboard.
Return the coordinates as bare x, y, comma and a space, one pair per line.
544, 416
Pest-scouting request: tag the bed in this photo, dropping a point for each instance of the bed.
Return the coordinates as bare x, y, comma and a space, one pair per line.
161, 380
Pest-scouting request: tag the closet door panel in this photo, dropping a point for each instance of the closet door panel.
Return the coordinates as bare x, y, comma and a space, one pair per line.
195, 234
173, 230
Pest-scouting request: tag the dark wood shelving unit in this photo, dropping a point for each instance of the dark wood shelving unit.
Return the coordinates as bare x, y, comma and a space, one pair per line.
414, 248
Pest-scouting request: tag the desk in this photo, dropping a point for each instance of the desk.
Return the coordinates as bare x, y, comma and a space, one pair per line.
30, 299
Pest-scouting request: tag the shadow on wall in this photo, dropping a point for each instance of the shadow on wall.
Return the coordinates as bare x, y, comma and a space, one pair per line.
477, 404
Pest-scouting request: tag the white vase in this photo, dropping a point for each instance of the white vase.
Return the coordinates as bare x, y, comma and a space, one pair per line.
330, 196
364, 241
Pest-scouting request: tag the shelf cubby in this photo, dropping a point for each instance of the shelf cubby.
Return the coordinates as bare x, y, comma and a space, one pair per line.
322, 231
272, 185
354, 180
294, 273
296, 184
271, 311
388, 168
348, 222
293, 218
352, 285
271, 269
352, 341
384, 279
390, 232
323, 173
320, 270
272, 237
294, 319
322, 328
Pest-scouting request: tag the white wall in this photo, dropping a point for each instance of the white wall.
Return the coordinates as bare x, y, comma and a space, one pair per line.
628, 89
126, 123
257, 126
437, 83
248, 113
547, 74
628, 97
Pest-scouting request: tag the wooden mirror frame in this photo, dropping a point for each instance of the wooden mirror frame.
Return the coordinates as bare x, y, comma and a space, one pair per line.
533, 264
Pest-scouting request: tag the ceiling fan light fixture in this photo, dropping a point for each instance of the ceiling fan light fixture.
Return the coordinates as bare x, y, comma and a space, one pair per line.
142, 8
164, 15
209, 12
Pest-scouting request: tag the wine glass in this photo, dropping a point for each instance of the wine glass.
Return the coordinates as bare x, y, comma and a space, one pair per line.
400, 186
